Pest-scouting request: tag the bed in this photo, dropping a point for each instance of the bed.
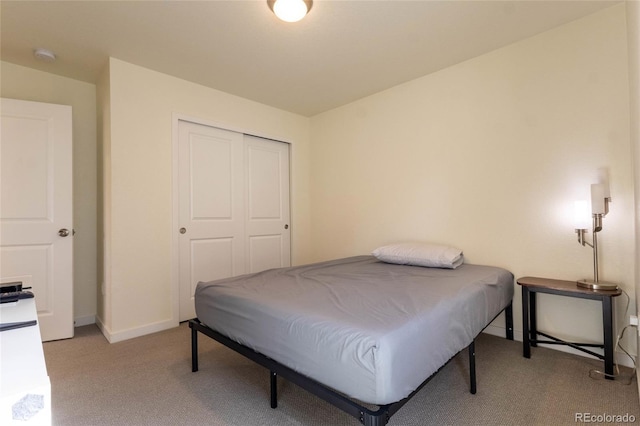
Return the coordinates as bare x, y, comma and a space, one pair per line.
354, 331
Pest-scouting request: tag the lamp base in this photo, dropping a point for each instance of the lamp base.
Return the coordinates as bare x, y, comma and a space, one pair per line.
600, 285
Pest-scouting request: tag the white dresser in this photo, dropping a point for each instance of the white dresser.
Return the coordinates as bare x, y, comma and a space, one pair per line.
25, 389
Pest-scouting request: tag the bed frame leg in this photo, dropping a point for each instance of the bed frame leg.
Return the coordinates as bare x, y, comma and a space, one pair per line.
274, 389
194, 349
369, 420
472, 366
508, 318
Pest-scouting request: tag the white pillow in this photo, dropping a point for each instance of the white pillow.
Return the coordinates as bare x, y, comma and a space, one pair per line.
420, 254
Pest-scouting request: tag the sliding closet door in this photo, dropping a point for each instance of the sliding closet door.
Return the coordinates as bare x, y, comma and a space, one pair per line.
233, 194
211, 186
268, 238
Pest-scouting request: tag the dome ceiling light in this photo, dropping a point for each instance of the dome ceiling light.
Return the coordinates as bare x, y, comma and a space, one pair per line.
290, 10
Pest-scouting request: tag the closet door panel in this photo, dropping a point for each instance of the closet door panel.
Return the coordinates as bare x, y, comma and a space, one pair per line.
267, 206
211, 205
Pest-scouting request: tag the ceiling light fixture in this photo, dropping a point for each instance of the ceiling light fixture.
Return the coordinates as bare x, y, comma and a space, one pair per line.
44, 55
290, 10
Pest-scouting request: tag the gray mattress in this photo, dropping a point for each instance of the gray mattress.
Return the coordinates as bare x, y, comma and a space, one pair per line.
371, 330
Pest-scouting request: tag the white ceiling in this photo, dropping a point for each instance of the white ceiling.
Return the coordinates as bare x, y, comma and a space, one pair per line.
342, 51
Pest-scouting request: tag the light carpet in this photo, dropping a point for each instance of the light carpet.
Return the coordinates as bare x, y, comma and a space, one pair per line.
148, 381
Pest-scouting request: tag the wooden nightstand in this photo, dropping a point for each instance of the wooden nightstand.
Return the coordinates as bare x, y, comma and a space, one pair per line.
532, 285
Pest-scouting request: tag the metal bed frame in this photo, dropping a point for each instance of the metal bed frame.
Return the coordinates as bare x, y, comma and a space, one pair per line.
365, 415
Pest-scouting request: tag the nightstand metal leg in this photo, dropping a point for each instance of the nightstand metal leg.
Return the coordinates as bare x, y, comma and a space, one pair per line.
533, 325
526, 348
607, 321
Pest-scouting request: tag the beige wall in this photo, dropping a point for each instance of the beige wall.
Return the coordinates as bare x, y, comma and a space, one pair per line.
489, 156
138, 183
18, 82
103, 167
633, 36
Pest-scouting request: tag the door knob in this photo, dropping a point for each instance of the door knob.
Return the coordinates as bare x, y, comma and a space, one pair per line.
183, 230
64, 232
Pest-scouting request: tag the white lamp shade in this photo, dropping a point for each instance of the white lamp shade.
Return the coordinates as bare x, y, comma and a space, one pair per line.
290, 10
597, 198
603, 178
581, 215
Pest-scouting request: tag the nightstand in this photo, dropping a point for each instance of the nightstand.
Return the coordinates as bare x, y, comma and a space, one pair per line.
532, 285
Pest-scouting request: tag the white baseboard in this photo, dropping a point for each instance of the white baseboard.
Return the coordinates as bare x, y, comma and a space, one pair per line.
86, 320
620, 358
103, 328
119, 336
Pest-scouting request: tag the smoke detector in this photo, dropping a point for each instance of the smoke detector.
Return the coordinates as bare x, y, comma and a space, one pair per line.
44, 55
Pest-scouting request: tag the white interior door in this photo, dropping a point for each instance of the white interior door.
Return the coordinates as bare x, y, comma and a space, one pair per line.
211, 182
268, 240
36, 220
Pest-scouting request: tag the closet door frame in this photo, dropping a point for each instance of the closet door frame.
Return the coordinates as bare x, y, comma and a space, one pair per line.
175, 201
